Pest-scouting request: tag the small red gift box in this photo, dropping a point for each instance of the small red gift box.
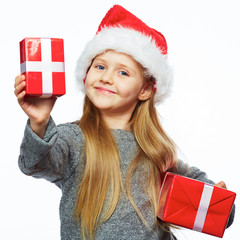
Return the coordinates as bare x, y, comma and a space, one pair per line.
195, 205
42, 61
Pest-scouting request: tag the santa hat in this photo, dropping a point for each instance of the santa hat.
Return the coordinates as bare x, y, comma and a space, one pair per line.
123, 32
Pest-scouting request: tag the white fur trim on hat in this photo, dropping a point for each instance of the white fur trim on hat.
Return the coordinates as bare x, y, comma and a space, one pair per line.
141, 47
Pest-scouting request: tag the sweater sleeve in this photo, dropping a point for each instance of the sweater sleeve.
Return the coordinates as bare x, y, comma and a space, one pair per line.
195, 173
191, 172
49, 157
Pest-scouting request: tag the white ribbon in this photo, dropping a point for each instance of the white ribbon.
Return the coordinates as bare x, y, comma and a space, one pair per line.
31, 66
203, 207
46, 54
46, 66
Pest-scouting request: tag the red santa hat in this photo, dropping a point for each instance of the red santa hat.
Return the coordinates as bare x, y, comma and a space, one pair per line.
123, 32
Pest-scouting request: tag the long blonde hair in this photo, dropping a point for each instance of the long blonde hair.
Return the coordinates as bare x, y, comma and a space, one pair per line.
102, 176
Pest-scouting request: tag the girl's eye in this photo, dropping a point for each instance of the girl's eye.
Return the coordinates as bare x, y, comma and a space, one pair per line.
100, 67
123, 73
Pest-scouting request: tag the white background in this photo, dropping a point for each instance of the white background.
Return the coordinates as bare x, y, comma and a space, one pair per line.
202, 115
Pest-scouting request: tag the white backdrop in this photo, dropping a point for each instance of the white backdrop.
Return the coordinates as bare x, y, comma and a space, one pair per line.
202, 115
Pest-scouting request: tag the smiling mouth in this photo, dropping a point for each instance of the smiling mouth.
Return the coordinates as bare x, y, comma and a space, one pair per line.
104, 90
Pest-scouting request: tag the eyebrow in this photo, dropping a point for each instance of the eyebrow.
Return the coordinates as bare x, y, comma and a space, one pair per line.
98, 58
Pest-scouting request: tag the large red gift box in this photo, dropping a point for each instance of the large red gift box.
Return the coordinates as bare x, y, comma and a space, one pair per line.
195, 205
42, 61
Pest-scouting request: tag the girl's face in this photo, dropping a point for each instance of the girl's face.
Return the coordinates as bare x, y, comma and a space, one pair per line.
114, 83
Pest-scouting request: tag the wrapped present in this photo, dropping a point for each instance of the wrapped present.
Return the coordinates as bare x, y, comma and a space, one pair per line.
195, 205
42, 61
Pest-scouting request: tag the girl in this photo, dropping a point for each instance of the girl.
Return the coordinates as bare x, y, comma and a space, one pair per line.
109, 164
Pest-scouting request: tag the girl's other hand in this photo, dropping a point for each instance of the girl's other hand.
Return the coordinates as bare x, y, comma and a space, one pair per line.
221, 184
37, 109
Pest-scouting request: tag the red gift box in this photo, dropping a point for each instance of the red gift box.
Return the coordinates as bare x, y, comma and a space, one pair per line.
42, 61
195, 205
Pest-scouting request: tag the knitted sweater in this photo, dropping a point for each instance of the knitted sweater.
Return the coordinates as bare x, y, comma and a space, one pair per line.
56, 158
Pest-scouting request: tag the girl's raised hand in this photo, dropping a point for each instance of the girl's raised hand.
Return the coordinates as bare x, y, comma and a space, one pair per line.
37, 109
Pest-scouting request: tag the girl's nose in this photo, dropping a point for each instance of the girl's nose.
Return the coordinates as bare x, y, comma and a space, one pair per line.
107, 77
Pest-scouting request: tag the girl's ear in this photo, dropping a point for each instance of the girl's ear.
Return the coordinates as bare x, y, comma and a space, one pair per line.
146, 91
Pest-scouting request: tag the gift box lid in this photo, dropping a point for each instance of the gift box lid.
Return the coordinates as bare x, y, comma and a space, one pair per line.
42, 49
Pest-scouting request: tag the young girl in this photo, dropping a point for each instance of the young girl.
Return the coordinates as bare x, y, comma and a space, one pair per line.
109, 165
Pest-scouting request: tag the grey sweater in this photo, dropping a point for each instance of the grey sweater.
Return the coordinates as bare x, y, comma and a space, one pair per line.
56, 158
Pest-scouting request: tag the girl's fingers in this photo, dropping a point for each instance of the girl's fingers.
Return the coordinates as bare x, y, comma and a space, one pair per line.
20, 97
221, 184
19, 79
19, 84
19, 88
